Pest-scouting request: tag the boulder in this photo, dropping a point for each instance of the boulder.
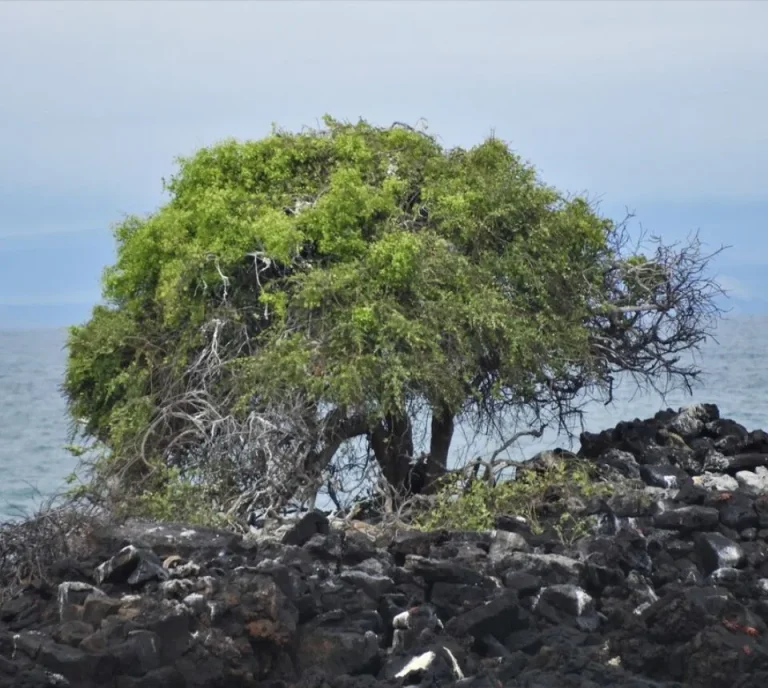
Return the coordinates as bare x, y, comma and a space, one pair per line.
688, 518
717, 551
754, 483
132, 565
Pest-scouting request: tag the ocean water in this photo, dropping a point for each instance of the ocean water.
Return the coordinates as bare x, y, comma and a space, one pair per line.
33, 421
34, 425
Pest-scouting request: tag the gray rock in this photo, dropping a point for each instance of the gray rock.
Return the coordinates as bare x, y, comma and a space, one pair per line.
451, 599
726, 575
718, 482
132, 565
715, 461
69, 662
631, 503
72, 633
568, 598
140, 651
717, 551
666, 477
373, 586
730, 436
688, 518
374, 567
552, 568
434, 570
337, 650
738, 512
620, 461
170, 538
523, 583
754, 482
98, 607
309, 525
72, 597
504, 543
196, 602
177, 588
642, 589
497, 618
689, 421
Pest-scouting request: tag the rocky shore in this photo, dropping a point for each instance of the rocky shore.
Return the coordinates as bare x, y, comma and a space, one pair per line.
669, 589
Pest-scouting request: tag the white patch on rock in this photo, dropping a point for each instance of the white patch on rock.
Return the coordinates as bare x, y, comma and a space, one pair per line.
567, 597
187, 570
670, 481
176, 587
65, 593
718, 482
102, 570
420, 663
725, 574
504, 543
195, 601
753, 483
402, 620
584, 601
641, 608
213, 610
458, 674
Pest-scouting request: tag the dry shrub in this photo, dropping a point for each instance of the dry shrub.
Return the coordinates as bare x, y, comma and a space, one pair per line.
30, 548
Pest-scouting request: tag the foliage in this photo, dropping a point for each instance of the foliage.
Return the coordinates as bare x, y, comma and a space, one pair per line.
554, 494
171, 496
570, 529
165, 493
306, 289
457, 506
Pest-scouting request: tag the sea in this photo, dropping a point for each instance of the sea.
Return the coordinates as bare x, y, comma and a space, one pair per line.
34, 427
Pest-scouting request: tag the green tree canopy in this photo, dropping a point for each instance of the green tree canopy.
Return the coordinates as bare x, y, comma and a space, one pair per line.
305, 289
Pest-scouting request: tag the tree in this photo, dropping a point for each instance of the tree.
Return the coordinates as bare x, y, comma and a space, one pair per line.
304, 290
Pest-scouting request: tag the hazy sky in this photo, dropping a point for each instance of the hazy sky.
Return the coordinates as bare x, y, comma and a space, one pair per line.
659, 106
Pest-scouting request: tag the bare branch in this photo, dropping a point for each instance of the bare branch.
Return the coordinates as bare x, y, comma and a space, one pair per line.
515, 438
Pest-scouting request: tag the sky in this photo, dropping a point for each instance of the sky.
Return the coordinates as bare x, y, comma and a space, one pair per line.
659, 107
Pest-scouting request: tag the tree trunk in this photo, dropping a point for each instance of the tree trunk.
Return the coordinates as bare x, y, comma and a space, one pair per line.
440, 445
392, 444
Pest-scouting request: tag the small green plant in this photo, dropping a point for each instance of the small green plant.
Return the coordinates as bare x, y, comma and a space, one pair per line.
475, 505
163, 493
570, 528
459, 507
170, 496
